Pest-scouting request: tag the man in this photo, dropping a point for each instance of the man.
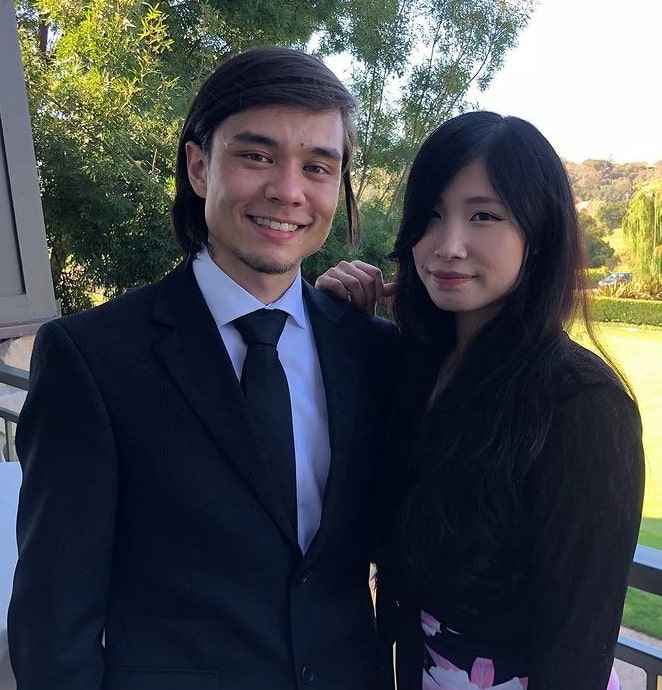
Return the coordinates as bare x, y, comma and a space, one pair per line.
161, 546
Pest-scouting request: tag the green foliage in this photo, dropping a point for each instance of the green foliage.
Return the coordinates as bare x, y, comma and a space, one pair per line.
108, 84
609, 182
376, 242
598, 252
593, 275
611, 214
642, 228
618, 310
104, 137
649, 287
413, 62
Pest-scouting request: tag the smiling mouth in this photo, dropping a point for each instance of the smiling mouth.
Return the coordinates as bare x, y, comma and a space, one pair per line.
450, 276
275, 224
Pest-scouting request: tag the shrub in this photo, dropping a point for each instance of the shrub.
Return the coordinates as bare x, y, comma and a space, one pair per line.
636, 311
649, 288
593, 275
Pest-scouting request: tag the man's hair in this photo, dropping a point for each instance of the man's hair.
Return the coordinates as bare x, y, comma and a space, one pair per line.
257, 78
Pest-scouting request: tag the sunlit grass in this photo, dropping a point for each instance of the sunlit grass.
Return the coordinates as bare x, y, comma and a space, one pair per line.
637, 350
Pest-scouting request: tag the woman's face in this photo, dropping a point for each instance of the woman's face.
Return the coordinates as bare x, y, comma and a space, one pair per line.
470, 255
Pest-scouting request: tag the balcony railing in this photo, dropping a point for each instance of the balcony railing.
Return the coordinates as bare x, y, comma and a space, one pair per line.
18, 379
646, 573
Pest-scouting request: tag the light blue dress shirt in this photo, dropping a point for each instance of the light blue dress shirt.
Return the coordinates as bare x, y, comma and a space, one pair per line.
227, 301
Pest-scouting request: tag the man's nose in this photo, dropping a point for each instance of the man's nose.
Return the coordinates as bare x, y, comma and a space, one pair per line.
286, 184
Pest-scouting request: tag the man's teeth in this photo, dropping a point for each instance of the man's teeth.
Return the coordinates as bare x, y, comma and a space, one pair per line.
275, 225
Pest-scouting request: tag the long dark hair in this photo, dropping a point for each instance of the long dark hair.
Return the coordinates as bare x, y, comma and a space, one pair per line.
259, 77
530, 179
491, 421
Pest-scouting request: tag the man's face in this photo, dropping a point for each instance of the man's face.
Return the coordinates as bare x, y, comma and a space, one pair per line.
270, 183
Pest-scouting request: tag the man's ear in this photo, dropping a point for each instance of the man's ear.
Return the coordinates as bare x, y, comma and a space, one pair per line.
196, 165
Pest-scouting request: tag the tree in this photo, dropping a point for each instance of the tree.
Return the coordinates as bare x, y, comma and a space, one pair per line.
642, 228
611, 213
108, 84
104, 136
413, 63
598, 252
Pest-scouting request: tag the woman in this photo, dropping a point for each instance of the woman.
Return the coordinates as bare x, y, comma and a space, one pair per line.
517, 483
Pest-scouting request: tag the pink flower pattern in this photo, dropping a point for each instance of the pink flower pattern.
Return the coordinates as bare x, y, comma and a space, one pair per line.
444, 675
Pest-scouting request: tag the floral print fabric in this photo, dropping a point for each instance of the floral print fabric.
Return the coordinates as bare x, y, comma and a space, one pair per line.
439, 673
476, 673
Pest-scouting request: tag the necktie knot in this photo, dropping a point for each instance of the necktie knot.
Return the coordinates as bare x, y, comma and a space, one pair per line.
261, 327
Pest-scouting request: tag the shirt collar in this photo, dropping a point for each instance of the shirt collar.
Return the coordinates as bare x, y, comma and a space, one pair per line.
227, 300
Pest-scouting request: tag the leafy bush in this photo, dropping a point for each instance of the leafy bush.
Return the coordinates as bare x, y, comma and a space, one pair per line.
593, 275
636, 311
649, 288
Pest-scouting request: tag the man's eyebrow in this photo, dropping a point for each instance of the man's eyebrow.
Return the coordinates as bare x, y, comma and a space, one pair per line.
248, 137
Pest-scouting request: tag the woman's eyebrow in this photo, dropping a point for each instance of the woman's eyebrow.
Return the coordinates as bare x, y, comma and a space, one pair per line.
483, 200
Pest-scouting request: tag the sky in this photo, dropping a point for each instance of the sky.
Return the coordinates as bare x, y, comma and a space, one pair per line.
588, 74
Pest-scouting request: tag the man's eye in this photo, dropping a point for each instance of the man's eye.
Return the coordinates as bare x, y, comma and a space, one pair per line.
257, 157
317, 169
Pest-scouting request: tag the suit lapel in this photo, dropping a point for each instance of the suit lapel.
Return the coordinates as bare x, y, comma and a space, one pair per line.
338, 362
192, 351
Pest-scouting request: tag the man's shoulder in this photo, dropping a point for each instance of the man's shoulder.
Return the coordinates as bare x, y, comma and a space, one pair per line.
126, 313
345, 312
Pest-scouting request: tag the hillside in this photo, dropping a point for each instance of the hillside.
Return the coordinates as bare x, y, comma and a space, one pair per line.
601, 180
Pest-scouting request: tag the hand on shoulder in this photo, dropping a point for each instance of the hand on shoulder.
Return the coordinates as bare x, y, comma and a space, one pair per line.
357, 282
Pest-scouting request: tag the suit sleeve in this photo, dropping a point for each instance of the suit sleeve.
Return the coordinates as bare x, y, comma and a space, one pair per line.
65, 522
587, 508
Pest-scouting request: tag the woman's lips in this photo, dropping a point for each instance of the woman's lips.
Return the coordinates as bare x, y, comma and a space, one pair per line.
448, 279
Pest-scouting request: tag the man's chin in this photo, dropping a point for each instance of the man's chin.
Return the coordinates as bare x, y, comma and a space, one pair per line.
268, 267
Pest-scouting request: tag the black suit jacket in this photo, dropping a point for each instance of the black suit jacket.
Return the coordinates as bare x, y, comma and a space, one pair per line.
155, 552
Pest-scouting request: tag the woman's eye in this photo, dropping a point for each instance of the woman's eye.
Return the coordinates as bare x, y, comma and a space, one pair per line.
435, 214
485, 216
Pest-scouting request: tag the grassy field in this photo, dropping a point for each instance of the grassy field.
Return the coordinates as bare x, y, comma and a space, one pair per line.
637, 350
617, 242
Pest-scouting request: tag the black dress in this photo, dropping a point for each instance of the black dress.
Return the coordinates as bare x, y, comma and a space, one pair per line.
535, 601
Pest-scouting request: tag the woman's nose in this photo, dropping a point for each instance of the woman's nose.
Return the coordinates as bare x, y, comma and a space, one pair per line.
449, 241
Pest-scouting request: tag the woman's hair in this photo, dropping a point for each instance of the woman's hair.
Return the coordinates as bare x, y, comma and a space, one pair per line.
497, 408
531, 181
257, 78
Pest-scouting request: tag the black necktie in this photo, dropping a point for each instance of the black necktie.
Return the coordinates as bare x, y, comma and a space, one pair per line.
265, 386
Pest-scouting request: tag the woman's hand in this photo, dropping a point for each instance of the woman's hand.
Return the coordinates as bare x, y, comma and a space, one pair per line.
357, 282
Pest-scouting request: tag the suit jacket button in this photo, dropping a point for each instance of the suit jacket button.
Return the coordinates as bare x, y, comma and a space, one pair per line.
303, 578
307, 674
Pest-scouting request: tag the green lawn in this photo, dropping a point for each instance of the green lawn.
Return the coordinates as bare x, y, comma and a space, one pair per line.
616, 241
637, 350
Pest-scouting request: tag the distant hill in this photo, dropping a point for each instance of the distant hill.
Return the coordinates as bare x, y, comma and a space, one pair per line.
601, 180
